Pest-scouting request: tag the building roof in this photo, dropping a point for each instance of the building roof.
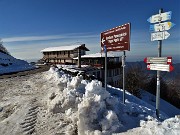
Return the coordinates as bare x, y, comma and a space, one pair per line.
97, 55
65, 48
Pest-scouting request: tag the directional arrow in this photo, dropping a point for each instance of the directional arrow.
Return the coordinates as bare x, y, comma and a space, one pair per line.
159, 35
161, 26
160, 67
160, 17
102, 41
158, 60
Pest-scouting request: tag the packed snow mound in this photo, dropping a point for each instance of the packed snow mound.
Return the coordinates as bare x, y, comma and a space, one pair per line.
86, 103
10, 64
95, 111
169, 126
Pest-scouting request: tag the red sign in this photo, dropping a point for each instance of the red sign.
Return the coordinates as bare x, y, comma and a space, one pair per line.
116, 39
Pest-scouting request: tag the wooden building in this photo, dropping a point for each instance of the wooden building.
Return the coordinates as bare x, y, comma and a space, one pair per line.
63, 54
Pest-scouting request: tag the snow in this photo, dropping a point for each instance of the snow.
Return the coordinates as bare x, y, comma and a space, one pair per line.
169, 126
150, 99
10, 64
71, 105
101, 112
98, 55
60, 48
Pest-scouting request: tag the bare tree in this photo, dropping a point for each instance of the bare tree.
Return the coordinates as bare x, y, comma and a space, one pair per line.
3, 49
135, 80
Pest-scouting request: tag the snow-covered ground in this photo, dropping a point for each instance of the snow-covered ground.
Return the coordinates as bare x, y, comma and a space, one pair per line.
10, 64
55, 103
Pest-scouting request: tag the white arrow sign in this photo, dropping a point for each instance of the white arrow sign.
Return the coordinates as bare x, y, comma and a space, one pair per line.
161, 26
159, 35
160, 67
158, 60
160, 17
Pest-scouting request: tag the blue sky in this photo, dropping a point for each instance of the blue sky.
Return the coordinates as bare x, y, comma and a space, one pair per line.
28, 26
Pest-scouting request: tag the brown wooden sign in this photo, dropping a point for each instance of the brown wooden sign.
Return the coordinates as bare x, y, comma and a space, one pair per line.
116, 39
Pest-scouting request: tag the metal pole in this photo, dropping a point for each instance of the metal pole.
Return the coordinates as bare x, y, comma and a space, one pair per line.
105, 81
123, 65
158, 75
79, 58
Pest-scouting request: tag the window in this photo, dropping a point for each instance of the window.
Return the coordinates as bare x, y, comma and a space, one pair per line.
98, 74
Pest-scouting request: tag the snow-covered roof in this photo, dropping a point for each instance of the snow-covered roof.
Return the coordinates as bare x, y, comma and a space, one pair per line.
63, 48
97, 55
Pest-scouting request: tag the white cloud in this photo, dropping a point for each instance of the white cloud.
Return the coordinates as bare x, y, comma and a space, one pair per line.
31, 50
49, 37
29, 47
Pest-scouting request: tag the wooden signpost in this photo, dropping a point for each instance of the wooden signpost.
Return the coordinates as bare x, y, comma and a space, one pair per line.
116, 39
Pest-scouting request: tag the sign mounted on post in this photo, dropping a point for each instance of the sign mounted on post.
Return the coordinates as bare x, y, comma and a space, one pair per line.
116, 39
161, 26
160, 67
160, 17
159, 63
158, 60
159, 35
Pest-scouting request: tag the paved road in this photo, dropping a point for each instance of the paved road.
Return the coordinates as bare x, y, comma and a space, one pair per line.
24, 73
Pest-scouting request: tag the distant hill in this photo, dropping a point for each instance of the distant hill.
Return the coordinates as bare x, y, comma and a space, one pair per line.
9, 64
166, 75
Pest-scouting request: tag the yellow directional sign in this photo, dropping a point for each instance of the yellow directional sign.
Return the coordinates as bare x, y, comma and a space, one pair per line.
161, 26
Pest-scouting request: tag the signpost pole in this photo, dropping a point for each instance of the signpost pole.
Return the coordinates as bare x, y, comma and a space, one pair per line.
123, 65
158, 75
105, 81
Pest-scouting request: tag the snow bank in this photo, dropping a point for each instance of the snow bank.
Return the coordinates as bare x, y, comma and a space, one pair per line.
10, 64
68, 94
169, 126
95, 111
86, 103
